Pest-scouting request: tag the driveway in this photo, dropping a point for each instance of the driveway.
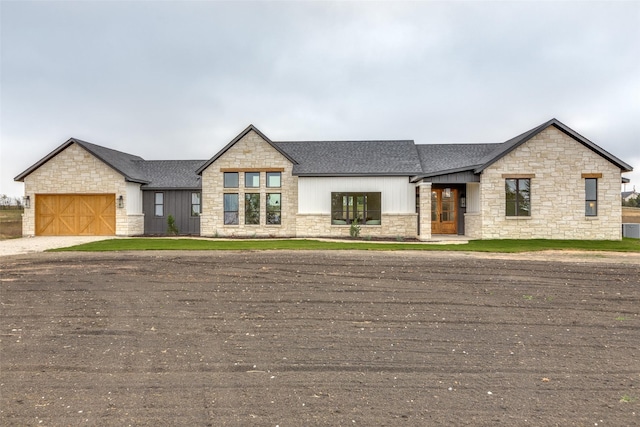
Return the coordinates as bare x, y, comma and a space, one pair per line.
25, 245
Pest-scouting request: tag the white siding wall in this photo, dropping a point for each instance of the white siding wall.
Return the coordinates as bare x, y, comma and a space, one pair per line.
133, 199
473, 197
314, 193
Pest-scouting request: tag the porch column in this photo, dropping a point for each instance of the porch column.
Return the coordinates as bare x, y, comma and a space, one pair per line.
425, 210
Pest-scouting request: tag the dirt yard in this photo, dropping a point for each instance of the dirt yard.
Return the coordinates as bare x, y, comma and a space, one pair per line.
10, 223
318, 338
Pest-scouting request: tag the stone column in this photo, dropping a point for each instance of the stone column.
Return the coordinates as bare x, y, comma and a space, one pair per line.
425, 210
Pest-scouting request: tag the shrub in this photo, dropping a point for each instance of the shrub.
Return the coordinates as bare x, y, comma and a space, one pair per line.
354, 230
172, 228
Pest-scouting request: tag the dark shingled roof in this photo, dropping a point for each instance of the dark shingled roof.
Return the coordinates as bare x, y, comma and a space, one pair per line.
171, 174
123, 163
343, 158
126, 164
436, 158
330, 158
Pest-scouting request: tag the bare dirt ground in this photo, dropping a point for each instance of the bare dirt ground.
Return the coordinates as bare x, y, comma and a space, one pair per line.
319, 338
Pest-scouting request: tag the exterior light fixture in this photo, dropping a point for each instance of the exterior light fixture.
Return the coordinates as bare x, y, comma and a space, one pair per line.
120, 202
27, 202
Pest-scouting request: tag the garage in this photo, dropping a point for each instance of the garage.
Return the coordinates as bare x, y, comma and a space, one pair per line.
75, 214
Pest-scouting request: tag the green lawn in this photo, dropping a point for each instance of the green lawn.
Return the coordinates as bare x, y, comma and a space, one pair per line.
141, 244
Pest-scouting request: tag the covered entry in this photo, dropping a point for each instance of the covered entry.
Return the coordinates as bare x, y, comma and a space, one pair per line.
75, 214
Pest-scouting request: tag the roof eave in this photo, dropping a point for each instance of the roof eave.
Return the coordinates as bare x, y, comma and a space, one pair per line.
354, 174
161, 188
136, 181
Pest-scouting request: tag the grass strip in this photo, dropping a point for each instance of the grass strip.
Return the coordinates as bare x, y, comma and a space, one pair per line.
502, 246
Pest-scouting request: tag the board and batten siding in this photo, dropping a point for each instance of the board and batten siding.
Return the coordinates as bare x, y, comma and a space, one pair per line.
314, 193
176, 203
473, 197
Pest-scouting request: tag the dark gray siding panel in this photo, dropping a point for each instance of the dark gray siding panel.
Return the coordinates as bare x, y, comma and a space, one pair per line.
454, 178
176, 203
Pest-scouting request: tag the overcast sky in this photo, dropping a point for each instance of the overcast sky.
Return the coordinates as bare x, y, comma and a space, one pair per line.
179, 80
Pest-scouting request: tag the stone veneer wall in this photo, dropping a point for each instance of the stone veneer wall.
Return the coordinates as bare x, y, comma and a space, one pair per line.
473, 225
392, 225
557, 192
76, 171
425, 210
250, 152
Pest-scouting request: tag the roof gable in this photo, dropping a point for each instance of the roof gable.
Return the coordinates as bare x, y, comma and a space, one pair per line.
510, 145
238, 138
125, 164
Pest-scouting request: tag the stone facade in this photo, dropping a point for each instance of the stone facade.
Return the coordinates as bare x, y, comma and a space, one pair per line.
425, 210
250, 153
473, 225
76, 171
556, 164
392, 225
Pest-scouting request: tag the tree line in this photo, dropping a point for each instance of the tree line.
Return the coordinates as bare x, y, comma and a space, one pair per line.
7, 202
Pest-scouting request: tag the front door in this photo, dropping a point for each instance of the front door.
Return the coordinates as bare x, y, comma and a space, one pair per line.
443, 211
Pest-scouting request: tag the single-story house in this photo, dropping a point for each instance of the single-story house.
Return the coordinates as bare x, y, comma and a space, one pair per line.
628, 195
521, 188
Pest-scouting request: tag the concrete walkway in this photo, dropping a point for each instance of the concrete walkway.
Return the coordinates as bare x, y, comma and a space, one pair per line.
26, 245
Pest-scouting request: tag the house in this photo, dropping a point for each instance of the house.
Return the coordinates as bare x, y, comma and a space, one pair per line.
628, 195
521, 188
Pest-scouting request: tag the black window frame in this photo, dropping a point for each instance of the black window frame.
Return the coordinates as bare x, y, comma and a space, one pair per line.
518, 198
273, 211
270, 174
363, 207
157, 205
231, 217
251, 174
591, 200
252, 208
196, 212
228, 182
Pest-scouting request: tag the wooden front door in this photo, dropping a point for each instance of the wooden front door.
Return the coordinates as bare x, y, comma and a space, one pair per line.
443, 211
75, 214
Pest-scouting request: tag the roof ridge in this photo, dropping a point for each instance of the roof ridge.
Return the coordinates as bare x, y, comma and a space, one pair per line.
349, 140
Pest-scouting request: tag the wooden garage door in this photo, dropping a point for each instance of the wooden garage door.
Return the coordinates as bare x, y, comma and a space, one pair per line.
75, 214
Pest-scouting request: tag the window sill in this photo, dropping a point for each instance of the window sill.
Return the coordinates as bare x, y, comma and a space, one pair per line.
591, 218
512, 218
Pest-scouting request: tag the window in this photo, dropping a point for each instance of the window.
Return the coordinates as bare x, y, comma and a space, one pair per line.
195, 204
518, 197
231, 180
591, 196
231, 209
252, 179
273, 179
365, 208
159, 204
274, 209
252, 208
